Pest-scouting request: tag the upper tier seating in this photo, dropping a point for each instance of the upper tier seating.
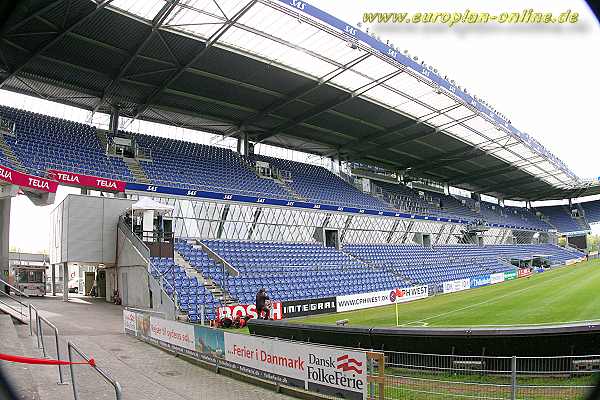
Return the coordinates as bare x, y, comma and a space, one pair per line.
196, 166
318, 185
560, 217
592, 210
43, 142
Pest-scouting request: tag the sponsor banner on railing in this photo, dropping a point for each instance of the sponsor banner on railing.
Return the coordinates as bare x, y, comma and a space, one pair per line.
510, 275
301, 308
524, 272
129, 321
331, 371
243, 310
325, 370
172, 332
95, 182
497, 278
382, 298
457, 285
479, 281
28, 181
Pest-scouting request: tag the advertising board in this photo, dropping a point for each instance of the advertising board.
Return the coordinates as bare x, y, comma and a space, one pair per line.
497, 278
243, 310
479, 281
332, 371
302, 308
382, 298
457, 285
510, 275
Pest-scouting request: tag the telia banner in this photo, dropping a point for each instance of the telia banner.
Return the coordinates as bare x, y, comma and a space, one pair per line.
29, 181
71, 178
457, 285
382, 298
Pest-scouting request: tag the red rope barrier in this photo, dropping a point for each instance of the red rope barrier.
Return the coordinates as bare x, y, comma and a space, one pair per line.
42, 361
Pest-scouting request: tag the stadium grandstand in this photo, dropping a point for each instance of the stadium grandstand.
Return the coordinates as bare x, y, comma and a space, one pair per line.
405, 179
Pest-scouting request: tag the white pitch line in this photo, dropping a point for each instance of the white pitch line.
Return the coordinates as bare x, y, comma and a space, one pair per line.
483, 302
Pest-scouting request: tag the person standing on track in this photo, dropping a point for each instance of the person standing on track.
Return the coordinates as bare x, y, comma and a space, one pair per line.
261, 298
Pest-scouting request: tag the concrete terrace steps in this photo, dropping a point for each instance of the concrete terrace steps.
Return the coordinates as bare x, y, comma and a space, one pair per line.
210, 285
288, 189
136, 170
21, 376
103, 139
14, 309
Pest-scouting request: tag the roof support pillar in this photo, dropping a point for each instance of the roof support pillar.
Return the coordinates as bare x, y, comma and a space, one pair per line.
243, 146
114, 120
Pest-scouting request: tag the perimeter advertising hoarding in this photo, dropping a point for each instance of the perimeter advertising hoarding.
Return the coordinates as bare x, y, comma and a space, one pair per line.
382, 298
243, 310
302, 308
332, 371
479, 281
457, 285
129, 322
497, 278
524, 272
327, 370
510, 275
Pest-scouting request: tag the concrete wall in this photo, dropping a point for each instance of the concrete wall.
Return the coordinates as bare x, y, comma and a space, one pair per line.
132, 276
84, 229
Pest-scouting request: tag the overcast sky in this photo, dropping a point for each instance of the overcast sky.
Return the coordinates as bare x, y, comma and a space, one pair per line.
543, 78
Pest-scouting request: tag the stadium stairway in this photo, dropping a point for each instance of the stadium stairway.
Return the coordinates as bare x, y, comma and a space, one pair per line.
377, 267
102, 138
291, 193
10, 155
210, 284
136, 170
19, 374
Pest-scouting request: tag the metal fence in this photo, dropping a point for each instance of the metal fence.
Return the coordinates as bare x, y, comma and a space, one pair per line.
433, 376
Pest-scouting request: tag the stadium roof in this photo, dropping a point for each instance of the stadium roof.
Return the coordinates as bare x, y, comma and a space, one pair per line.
281, 71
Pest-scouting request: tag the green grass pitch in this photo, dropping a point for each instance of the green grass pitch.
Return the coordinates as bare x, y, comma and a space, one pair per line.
563, 295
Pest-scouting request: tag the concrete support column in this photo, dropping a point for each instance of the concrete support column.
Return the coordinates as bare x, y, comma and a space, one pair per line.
114, 119
243, 146
4, 236
53, 274
65, 281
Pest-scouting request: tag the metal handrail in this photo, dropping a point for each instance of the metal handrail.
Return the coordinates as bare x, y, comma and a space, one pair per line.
41, 335
13, 288
72, 348
15, 298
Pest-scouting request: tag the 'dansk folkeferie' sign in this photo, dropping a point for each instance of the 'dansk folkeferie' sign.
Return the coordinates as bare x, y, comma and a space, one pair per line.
332, 371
